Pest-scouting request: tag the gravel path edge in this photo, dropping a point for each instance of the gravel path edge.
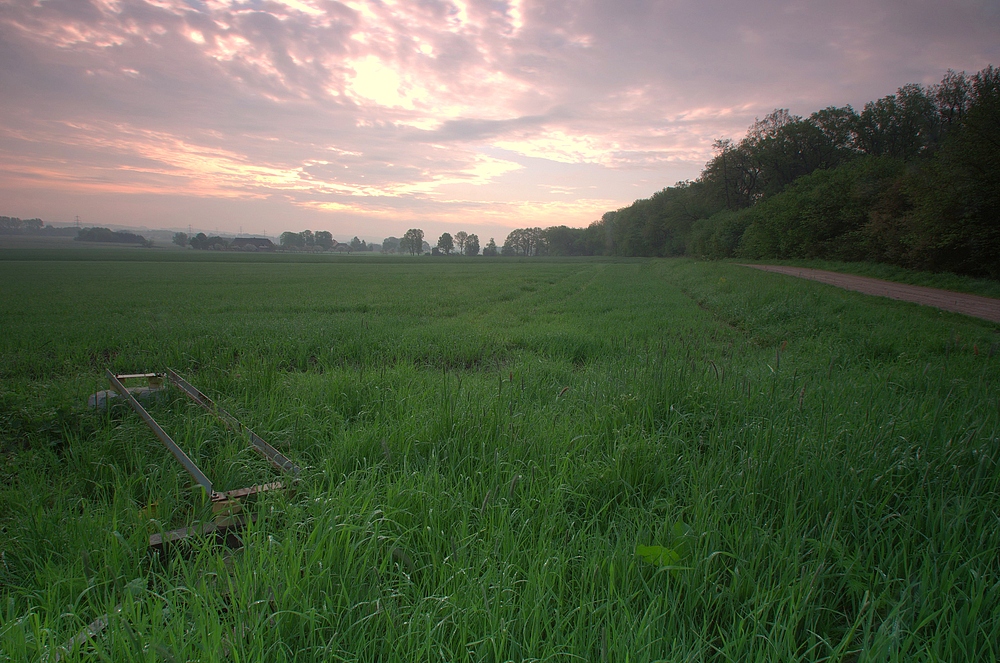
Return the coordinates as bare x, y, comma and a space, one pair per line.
977, 306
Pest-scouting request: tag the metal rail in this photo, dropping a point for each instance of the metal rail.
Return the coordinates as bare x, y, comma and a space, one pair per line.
259, 444
178, 453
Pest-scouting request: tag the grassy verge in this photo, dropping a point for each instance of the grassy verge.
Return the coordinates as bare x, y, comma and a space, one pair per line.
487, 444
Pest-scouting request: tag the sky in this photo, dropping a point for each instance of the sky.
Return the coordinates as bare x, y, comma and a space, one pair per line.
371, 117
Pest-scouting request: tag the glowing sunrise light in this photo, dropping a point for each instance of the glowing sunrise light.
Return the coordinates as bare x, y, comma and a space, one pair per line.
376, 82
516, 15
303, 7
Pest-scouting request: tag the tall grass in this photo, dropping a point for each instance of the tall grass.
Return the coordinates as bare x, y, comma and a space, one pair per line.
485, 445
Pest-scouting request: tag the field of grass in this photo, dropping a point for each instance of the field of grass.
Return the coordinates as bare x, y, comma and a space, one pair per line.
806, 473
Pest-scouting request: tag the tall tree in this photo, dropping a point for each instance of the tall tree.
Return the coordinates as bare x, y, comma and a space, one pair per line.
490, 250
412, 241
898, 125
470, 246
445, 243
461, 237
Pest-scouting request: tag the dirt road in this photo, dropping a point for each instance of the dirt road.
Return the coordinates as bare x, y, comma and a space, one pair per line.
985, 308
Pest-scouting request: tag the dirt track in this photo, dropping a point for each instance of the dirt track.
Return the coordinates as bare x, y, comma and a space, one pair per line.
986, 308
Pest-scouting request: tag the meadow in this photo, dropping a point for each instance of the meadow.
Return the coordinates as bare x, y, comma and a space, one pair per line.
540, 459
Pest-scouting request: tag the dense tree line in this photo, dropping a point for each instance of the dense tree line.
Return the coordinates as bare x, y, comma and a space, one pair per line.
111, 236
11, 225
913, 179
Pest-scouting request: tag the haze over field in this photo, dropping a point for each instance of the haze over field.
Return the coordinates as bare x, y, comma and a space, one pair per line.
371, 117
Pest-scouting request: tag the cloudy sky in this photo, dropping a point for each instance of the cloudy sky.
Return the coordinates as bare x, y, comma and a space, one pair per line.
370, 117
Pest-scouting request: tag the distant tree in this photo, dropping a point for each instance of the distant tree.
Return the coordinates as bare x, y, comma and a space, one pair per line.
490, 250
181, 239
445, 243
10, 225
412, 241
512, 245
461, 237
525, 242
471, 245
308, 238
390, 245
288, 240
324, 240
358, 244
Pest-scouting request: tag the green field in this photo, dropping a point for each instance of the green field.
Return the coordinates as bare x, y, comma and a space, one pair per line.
487, 446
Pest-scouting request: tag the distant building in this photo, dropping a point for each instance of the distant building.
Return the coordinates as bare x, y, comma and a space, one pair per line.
252, 244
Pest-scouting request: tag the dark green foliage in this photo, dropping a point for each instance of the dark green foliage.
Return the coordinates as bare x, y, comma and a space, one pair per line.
659, 226
566, 241
956, 218
719, 235
825, 214
900, 125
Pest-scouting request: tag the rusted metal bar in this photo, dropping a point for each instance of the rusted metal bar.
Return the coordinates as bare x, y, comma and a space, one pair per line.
240, 493
178, 453
259, 444
223, 531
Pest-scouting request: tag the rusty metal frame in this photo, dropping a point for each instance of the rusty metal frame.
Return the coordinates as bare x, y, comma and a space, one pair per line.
227, 505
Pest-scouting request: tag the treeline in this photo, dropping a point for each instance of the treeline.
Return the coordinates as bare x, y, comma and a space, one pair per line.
11, 225
111, 236
913, 180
